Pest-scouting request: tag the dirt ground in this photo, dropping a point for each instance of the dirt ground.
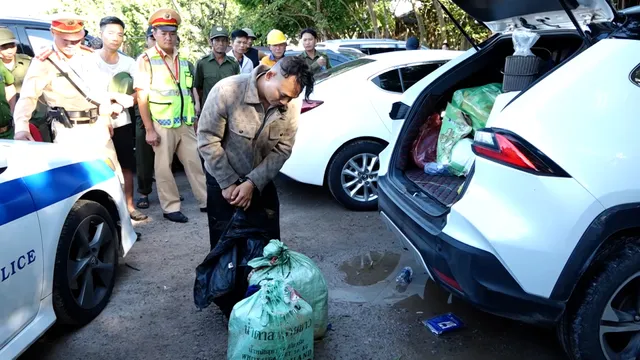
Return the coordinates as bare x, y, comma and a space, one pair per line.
152, 315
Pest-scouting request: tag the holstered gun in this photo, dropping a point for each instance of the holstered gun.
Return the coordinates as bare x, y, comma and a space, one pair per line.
60, 115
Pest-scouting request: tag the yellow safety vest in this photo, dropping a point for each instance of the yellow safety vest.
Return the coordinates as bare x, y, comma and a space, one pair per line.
170, 102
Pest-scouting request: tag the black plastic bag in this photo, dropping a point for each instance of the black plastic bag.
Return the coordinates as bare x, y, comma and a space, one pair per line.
222, 277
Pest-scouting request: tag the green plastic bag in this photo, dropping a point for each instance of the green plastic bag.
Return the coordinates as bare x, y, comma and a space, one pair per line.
462, 158
300, 272
477, 102
454, 127
274, 323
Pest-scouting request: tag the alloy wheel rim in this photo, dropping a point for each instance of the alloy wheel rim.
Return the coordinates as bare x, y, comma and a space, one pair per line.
91, 262
620, 322
359, 177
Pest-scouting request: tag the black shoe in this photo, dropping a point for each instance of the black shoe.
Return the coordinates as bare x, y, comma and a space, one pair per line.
181, 198
176, 217
203, 210
138, 236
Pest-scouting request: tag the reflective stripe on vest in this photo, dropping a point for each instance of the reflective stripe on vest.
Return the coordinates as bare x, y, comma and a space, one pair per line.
170, 105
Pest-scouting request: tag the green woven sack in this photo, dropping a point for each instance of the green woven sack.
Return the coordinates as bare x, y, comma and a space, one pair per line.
273, 323
477, 102
300, 272
454, 127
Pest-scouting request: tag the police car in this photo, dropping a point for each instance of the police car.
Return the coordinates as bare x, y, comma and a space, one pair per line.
63, 226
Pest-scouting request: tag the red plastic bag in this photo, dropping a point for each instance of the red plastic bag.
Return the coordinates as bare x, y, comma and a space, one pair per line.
425, 146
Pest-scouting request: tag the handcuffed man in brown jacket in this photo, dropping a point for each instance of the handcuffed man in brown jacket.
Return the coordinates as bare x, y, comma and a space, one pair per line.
246, 131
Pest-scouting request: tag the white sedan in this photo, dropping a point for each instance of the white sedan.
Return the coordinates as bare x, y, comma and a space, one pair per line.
346, 123
63, 225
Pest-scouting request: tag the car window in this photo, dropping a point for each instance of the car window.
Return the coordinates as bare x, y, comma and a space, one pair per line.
389, 81
413, 74
340, 69
351, 53
39, 39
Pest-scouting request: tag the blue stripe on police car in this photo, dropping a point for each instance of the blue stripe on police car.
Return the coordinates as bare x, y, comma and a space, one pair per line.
23, 196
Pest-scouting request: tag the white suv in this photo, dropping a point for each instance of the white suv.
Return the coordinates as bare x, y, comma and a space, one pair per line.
545, 228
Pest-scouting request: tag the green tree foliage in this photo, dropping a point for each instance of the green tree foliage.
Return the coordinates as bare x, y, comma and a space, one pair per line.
197, 19
333, 19
435, 35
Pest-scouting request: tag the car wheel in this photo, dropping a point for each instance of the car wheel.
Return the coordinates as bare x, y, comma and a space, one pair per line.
86, 262
353, 175
605, 323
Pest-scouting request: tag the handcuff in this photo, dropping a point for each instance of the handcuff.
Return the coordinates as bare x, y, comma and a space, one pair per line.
244, 179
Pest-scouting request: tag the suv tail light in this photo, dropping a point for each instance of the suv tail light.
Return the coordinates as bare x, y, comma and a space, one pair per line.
310, 104
509, 149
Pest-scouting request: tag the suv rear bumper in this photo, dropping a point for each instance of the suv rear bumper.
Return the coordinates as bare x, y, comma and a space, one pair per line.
473, 274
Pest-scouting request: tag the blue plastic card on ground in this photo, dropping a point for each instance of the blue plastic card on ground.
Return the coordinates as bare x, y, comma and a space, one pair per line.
443, 323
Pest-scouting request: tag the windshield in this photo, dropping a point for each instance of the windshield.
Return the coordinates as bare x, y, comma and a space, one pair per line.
340, 69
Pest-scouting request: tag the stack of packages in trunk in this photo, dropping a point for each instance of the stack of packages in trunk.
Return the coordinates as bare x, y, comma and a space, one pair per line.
467, 112
288, 311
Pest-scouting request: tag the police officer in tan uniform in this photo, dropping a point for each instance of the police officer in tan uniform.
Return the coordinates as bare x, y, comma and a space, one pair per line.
163, 84
78, 122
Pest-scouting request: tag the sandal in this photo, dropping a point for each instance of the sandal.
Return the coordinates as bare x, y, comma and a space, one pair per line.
143, 202
137, 215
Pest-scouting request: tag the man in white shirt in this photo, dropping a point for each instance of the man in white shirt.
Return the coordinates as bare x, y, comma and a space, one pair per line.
239, 46
101, 67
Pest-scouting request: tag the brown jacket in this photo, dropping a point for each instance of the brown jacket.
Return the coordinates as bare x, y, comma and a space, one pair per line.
237, 139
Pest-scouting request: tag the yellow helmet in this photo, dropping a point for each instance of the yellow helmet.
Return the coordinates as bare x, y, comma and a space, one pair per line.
275, 37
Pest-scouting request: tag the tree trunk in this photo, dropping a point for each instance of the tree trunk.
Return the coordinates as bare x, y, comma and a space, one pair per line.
374, 19
322, 28
441, 34
421, 28
224, 12
464, 44
387, 32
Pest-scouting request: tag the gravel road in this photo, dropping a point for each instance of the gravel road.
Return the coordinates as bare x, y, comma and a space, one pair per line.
152, 316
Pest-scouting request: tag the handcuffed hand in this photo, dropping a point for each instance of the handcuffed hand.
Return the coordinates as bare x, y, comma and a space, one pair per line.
242, 195
228, 193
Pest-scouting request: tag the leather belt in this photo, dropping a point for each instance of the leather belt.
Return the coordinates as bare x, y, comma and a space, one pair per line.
93, 113
5, 129
83, 122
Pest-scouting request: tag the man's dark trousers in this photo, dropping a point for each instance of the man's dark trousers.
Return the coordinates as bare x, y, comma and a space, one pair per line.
220, 212
144, 158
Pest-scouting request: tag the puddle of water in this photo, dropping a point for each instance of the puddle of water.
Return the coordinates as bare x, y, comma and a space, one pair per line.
370, 268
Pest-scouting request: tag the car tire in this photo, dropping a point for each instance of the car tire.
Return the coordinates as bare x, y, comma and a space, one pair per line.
351, 159
611, 287
86, 264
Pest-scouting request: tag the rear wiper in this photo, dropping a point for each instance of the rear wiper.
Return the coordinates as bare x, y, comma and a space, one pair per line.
526, 25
